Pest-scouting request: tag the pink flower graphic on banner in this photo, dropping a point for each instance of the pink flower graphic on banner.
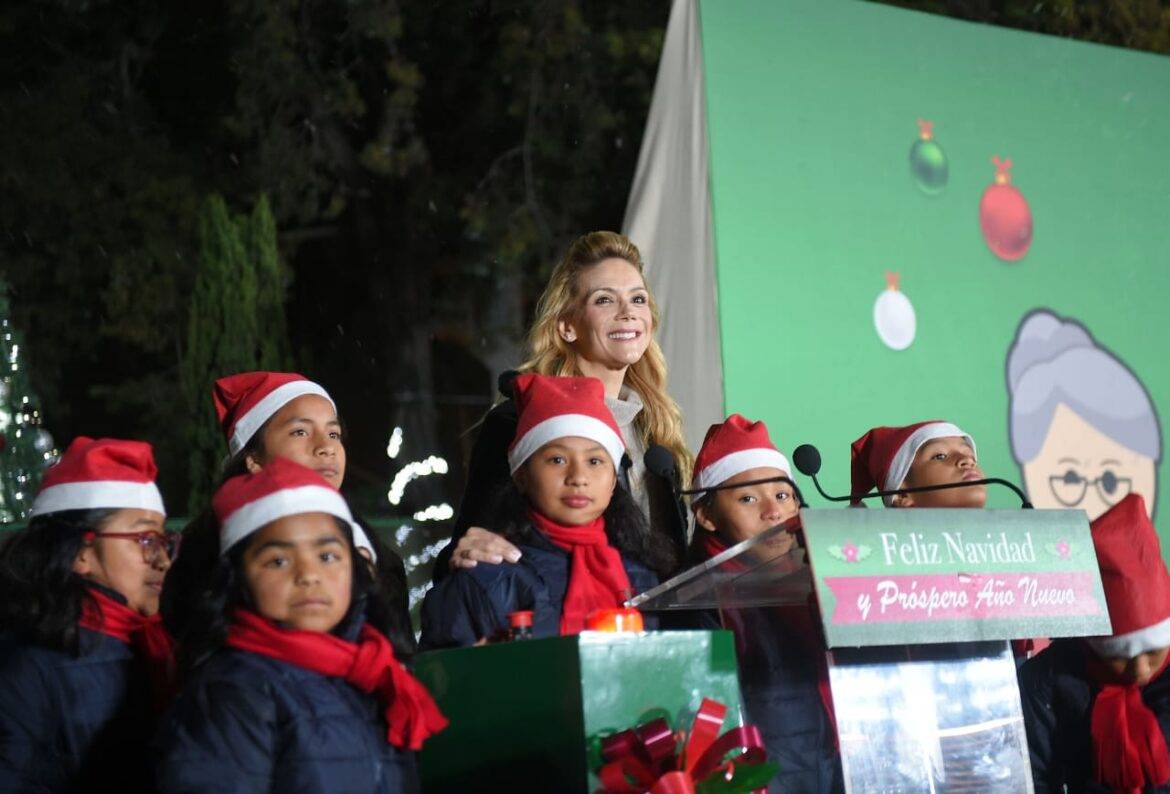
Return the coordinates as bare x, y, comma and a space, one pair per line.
1061, 548
848, 552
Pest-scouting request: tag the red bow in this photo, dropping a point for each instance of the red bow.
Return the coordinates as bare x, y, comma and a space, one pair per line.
644, 759
145, 634
368, 664
597, 577
1129, 748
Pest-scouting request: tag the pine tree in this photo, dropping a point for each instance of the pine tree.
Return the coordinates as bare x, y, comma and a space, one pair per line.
235, 324
26, 448
270, 284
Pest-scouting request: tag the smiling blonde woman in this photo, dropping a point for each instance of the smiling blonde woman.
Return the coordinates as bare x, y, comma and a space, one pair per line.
596, 318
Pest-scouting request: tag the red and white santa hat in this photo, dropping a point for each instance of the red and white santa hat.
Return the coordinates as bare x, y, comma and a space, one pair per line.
244, 402
883, 456
557, 407
282, 488
732, 447
100, 473
1135, 580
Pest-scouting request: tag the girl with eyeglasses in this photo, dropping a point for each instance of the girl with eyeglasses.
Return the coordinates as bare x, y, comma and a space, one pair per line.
85, 664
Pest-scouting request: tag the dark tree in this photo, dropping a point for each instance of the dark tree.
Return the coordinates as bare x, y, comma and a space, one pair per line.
234, 324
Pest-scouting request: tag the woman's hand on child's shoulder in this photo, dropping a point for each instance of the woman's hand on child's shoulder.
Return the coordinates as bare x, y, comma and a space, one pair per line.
480, 545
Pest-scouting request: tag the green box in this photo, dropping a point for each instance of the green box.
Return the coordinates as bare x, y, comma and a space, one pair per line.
525, 715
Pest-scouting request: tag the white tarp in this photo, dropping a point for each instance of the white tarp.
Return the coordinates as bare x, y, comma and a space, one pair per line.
668, 217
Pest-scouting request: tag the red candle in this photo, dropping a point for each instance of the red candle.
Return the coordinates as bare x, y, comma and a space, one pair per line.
620, 619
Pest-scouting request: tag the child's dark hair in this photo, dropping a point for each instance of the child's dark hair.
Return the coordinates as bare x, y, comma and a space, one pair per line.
625, 525
389, 613
40, 594
211, 611
199, 550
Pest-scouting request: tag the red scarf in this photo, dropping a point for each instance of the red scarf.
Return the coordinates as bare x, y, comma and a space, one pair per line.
368, 664
146, 635
1128, 745
597, 577
801, 618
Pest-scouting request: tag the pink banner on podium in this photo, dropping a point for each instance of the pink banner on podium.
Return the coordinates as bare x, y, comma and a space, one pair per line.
910, 598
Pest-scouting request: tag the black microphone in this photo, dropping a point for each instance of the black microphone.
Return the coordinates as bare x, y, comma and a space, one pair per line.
659, 461
504, 382
808, 461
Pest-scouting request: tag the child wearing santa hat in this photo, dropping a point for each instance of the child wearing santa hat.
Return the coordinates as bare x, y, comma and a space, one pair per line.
921, 454
735, 451
585, 545
1097, 710
296, 691
780, 650
918, 455
280, 415
84, 660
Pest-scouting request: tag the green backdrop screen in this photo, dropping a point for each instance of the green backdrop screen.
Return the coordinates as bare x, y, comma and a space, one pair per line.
822, 182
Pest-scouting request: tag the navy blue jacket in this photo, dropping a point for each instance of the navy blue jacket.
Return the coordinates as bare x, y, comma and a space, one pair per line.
778, 680
250, 723
1058, 697
474, 603
71, 723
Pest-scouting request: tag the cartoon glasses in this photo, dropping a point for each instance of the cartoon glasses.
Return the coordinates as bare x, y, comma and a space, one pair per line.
1070, 488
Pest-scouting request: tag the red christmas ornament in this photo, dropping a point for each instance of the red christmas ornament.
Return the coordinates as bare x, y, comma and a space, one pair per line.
1004, 216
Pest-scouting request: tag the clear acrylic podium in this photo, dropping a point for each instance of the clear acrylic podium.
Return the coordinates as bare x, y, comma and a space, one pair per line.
926, 717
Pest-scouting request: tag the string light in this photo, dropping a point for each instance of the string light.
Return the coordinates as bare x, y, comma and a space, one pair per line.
418, 593
416, 561
395, 445
412, 471
402, 533
440, 512
427, 554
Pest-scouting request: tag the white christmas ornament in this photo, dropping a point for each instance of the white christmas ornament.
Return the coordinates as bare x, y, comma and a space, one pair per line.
893, 316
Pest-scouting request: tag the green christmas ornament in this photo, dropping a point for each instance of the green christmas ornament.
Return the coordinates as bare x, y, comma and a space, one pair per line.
928, 162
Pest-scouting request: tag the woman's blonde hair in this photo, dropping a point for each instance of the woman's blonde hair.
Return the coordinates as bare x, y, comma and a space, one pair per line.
660, 421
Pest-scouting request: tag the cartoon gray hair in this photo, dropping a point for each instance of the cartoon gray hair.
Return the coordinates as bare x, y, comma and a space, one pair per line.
1056, 360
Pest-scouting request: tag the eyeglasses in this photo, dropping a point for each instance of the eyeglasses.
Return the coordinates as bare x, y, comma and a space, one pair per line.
154, 545
1070, 488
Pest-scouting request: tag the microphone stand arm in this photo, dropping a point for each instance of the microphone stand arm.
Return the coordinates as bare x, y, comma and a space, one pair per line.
1024, 503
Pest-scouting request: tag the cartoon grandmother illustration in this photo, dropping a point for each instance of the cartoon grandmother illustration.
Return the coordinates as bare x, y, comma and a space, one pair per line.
1083, 428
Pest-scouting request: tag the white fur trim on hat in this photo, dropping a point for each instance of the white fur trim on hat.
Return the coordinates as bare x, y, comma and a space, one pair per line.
278, 504
1127, 646
728, 466
900, 466
563, 426
96, 494
362, 541
261, 412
